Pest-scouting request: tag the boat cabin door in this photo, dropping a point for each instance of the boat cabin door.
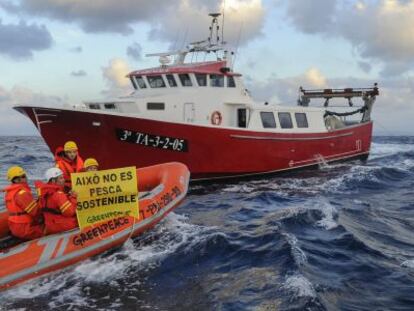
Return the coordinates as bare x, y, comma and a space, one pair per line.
242, 116
189, 112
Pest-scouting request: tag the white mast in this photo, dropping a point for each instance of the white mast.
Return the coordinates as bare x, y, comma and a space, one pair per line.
211, 44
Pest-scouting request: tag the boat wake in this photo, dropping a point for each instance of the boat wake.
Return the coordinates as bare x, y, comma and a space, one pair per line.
134, 260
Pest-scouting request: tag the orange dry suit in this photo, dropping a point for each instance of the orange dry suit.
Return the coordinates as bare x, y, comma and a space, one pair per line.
59, 208
68, 166
24, 212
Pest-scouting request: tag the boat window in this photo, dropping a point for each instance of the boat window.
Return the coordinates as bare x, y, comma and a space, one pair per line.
134, 84
301, 120
94, 106
156, 81
185, 79
241, 117
268, 119
285, 120
201, 79
230, 81
141, 82
171, 81
110, 106
155, 106
217, 80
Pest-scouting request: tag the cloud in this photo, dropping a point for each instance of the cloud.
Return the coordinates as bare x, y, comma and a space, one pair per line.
312, 16
189, 21
93, 16
13, 122
173, 21
378, 30
365, 66
76, 49
314, 78
79, 73
19, 41
284, 90
135, 51
115, 77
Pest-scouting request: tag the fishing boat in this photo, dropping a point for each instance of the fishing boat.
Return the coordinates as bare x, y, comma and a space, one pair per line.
162, 188
201, 114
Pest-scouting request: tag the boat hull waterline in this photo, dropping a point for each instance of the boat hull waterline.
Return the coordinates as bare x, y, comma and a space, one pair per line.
165, 186
209, 152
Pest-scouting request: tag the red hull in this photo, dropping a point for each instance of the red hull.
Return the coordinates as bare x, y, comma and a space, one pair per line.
209, 152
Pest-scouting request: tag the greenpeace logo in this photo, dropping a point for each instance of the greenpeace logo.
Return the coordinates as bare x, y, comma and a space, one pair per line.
98, 231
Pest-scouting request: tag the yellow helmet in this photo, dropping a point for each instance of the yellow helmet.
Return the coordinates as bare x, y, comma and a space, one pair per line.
70, 146
90, 162
15, 171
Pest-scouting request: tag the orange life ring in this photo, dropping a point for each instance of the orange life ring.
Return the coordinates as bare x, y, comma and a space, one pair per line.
216, 118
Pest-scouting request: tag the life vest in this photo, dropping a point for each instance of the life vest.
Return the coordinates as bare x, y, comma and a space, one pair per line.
44, 191
16, 213
67, 166
59, 209
49, 194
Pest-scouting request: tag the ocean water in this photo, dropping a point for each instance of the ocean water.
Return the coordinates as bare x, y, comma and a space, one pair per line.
337, 238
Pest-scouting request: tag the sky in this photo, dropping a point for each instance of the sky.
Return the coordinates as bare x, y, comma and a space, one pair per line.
56, 52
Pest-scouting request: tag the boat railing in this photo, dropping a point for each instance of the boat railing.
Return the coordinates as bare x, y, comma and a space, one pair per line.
368, 96
348, 93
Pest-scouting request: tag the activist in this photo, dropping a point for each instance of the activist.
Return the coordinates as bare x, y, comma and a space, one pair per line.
24, 219
58, 207
69, 161
90, 165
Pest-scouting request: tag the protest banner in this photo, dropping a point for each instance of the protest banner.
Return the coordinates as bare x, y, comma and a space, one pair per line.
105, 195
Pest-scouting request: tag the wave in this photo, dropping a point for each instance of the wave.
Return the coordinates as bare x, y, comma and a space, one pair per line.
299, 286
387, 163
297, 253
141, 255
408, 264
342, 232
344, 179
384, 150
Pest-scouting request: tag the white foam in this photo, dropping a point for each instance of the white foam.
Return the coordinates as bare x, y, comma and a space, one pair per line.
408, 264
284, 187
38, 287
297, 253
299, 286
350, 173
172, 233
359, 173
408, 164
56, 283
379, 150
71, 295
243, 188
329, 212
279, 186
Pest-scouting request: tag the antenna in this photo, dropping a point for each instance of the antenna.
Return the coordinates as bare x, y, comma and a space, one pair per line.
214, 22
222, 22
